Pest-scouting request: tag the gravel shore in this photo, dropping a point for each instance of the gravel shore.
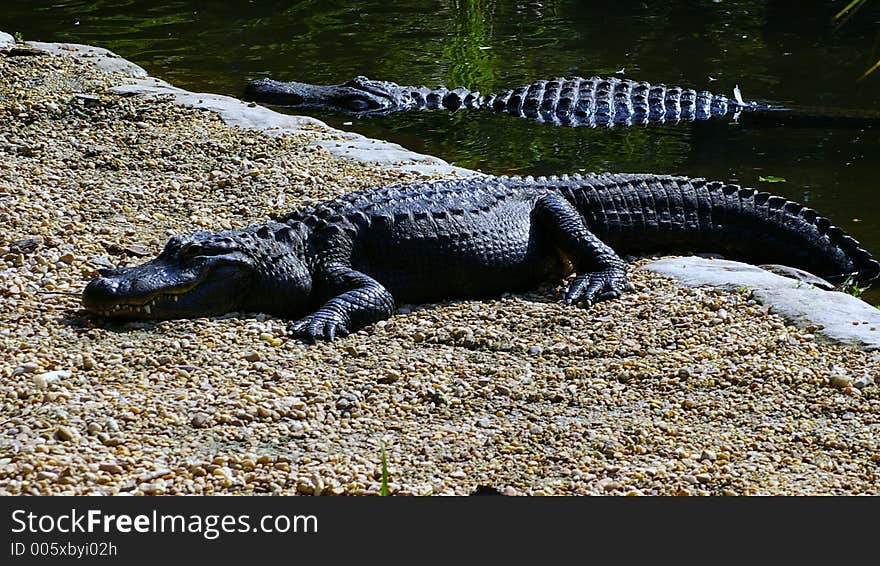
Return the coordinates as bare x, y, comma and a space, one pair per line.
668, 390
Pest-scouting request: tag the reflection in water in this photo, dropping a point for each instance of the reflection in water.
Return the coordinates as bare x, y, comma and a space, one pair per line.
782, 51
469, 50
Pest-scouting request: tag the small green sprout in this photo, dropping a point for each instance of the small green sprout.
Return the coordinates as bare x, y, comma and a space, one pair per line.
383, 490
851, 287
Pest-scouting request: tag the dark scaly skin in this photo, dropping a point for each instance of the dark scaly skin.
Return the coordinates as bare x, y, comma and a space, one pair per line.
345, 263
593, 102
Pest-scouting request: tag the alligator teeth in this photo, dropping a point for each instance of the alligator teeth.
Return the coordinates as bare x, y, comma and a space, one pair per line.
146, 308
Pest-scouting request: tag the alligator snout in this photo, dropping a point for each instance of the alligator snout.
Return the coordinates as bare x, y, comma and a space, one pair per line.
101, 292
274, 92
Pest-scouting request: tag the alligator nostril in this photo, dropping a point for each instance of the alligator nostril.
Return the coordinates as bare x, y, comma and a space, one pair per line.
99, 291
255, 87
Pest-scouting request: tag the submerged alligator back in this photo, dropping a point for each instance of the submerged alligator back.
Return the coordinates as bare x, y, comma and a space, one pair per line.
611, 101
593, 102
575, 101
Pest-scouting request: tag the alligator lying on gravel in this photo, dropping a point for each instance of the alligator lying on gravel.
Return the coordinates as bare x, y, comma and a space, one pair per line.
576, 101
346, 263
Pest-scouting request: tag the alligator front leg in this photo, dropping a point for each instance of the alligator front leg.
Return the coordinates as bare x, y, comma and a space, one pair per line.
363, 300
601, 273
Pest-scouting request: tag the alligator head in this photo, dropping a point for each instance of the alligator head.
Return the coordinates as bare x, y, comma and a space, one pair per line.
257, 269
360, 95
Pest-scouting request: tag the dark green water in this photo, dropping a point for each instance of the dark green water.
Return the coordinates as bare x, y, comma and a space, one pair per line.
786, 52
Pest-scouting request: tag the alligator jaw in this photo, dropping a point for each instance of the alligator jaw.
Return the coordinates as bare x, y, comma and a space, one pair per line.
159, 305
165, 289
255, 269
112, 295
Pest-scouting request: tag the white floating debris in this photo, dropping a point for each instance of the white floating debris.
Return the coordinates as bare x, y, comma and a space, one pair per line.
738, 95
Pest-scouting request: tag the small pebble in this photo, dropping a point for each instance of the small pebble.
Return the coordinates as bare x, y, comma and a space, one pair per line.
44, 379
29, 367
66, 434
251, 356
839, 378
110, 468
199, 420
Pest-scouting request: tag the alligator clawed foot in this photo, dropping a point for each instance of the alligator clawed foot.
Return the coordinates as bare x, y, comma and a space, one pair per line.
591, 288
321, 325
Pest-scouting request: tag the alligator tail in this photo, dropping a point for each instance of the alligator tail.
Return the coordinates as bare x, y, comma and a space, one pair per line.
653, 213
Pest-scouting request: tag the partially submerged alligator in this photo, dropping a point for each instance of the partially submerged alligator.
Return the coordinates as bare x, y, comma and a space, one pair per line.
346, 263
592, 102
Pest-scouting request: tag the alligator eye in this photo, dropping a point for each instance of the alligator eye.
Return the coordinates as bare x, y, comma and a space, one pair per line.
190, 250
195, 249
355, 103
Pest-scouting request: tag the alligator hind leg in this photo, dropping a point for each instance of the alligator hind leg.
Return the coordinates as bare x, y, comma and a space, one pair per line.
363, 301
601, 273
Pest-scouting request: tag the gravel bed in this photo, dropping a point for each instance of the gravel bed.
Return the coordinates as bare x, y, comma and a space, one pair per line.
667, 391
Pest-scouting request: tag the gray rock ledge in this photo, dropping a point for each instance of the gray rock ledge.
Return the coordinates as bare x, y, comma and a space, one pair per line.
845, 319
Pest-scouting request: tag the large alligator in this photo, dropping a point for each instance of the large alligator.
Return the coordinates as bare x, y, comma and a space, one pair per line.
593, 102
347, 262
